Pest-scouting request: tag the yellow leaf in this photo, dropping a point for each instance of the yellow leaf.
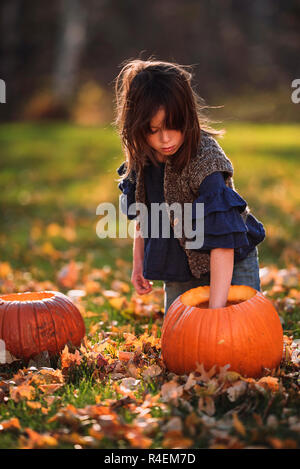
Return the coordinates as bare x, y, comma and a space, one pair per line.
5, 269
48, 250
34, 405
117, 303
53, 229
238, 425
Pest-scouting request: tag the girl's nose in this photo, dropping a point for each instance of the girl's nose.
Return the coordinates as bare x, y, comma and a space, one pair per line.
165, 136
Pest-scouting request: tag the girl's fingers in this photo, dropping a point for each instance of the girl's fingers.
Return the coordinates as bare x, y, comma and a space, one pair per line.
142, 285
145, 288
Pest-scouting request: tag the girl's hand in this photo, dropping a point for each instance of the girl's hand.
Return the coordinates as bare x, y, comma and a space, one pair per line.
141, 285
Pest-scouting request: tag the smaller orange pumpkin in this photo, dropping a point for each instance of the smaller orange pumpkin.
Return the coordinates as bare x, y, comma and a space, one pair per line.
247, 333
34, 322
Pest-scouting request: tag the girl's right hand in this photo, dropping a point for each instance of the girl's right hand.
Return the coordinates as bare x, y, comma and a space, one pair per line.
141, 285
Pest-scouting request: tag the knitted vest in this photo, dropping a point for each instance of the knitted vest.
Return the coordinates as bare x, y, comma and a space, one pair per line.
183, 188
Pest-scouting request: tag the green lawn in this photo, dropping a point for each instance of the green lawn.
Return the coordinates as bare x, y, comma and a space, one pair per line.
52, 178
50, 171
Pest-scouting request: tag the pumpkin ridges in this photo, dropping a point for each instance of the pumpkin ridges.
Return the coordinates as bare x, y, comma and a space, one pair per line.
193, 341
201, 347
262, 350
60, 322
78, 329
187, 353
219, 336
19, 326
178, 339
53, 322
205, 337
3, 308
247, 335
189, 358
265, 319
276, 337
229, 337
29, 323
167, 324
37, 324
11, 334
246, 340
172, 321
30, 338
199, 355
45, 328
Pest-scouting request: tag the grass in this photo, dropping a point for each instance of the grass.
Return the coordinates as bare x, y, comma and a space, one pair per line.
52, 178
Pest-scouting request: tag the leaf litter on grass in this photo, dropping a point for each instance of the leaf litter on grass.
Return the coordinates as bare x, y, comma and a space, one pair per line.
122, 394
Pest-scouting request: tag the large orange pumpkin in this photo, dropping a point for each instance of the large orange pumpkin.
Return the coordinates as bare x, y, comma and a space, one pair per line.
247, 333
33, 322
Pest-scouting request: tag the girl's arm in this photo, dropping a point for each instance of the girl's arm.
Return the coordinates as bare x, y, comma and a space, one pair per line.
141, 285
221, 269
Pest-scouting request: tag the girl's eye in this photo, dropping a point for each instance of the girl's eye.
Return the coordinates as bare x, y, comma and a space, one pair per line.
155, 131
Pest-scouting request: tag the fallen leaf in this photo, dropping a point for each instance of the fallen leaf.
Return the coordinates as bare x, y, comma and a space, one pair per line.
238, 425
175, 440
11, 424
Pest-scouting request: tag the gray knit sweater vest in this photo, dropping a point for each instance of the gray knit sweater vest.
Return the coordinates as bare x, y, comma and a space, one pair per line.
183, 187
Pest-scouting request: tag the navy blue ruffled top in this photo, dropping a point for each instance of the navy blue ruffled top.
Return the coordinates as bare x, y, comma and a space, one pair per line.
223, 224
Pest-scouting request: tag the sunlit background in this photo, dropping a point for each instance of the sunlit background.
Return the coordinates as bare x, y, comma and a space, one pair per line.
60, 151
59, 154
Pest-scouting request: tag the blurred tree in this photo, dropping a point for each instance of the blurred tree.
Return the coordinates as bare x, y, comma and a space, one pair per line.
70, 45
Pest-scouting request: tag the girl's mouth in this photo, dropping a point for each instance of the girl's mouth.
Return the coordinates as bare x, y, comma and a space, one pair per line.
169, 148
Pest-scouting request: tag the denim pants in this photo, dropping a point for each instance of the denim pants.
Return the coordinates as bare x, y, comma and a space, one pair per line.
245, 272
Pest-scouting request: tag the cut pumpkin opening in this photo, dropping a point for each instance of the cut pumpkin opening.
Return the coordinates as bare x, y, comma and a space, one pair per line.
199, 296
27, 296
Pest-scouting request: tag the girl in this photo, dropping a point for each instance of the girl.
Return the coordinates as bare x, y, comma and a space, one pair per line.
172, 155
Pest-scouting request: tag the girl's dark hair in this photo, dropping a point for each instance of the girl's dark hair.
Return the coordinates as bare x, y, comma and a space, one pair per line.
141, 88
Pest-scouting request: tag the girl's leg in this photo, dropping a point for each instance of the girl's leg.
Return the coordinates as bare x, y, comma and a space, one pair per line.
246, 272
174, 289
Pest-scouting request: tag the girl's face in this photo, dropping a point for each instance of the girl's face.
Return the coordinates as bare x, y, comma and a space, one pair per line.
166, 142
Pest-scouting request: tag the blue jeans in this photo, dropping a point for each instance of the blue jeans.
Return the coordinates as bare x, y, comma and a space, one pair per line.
245, 272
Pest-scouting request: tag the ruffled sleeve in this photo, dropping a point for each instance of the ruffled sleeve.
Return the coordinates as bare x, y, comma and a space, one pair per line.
224, 226
128, 192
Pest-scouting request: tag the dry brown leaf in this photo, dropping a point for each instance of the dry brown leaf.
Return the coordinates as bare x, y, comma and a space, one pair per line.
67, 358
23, 391
269, 382
206, 404
35, 440
191, 381
68, 275
151, 371
175, 440
236, 390
50, 388
171, 391
10, 424
125, 356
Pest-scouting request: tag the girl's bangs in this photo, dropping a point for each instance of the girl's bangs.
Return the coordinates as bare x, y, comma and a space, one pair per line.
174, 118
